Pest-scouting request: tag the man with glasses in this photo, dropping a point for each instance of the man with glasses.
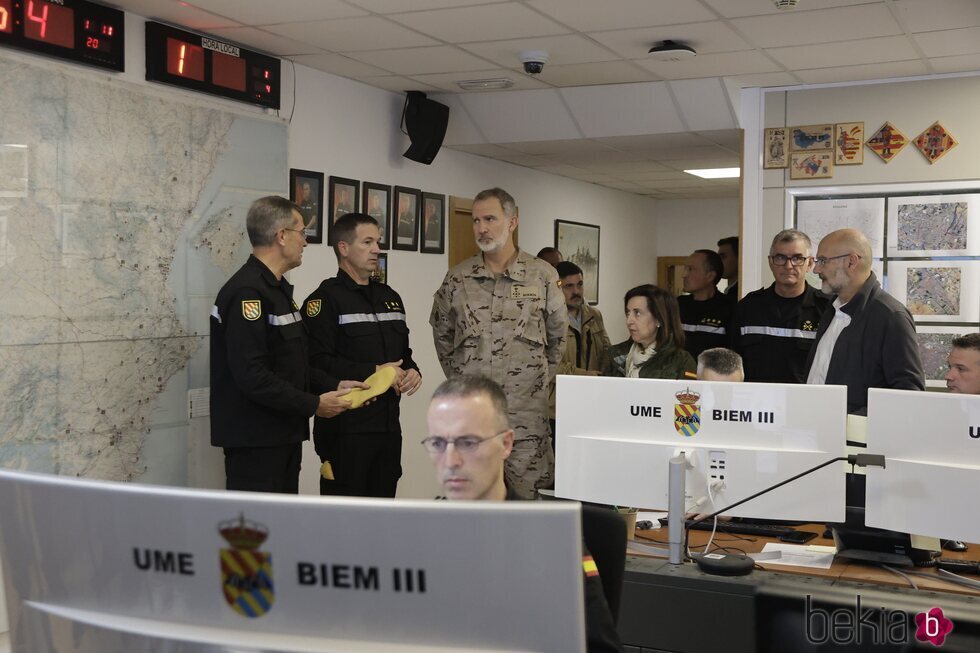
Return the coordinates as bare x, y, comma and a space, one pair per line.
263, 391
469, 440
357, 326
866, 338
775, 327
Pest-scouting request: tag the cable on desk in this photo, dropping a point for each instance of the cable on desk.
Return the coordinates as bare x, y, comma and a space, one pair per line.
961, 580
955, 580
903, 575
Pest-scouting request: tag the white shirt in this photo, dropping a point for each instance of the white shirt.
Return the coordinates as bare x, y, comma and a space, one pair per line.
825, 348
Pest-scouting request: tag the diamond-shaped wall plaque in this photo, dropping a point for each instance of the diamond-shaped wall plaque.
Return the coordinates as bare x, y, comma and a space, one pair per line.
887, 142
934, 142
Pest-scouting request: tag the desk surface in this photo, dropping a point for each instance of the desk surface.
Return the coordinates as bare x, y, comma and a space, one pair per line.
840, 569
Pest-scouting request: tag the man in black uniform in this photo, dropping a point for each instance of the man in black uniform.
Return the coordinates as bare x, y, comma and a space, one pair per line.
775, 327
728, 251
469, 440
706, 314
357, 325
263, 391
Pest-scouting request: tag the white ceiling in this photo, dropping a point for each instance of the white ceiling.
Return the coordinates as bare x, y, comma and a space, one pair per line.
429, 45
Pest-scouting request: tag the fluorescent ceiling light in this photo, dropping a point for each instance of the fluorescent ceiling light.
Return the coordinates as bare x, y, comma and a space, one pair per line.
715, 173
485, 84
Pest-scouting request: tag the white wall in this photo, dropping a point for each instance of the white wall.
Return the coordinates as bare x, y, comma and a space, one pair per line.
348, 129
683, 226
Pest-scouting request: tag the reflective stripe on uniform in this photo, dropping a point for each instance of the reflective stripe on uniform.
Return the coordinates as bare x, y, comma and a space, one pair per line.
703, 328
215, 314
351, 318
283, 320
778, 332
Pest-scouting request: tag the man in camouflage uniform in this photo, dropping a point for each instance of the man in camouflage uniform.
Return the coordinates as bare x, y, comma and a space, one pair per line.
501, 314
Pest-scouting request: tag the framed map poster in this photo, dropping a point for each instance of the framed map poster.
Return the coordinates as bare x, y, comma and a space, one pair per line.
934, 225
934, 345
817, 218
937, 291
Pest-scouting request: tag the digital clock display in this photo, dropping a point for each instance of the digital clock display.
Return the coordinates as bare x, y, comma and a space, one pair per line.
76, 30
201, 63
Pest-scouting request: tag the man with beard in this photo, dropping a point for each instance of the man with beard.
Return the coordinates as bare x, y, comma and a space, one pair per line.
866, 338
501, 314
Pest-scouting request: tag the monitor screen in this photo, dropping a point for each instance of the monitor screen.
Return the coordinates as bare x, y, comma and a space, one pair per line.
931, 444
615, 438
97, 566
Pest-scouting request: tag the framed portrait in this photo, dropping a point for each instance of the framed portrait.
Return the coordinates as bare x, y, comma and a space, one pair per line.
306, 190
406, 205
376, 200
579, 243
433, 227
342, 199
811, 165
775, 153
811, 137
381, 274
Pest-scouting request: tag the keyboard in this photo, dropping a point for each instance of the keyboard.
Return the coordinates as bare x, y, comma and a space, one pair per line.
738, 528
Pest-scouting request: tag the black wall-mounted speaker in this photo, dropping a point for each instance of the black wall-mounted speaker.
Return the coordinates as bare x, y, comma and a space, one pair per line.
424, 121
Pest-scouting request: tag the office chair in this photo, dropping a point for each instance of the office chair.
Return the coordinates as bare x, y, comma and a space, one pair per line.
604, 532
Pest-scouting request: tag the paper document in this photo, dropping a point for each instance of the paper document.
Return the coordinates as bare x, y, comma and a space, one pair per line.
799, 555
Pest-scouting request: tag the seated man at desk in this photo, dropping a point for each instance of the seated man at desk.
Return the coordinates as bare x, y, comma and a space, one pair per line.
469, 439
720, 364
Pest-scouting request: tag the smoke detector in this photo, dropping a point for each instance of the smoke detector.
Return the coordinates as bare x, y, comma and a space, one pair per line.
671, 51
785, 4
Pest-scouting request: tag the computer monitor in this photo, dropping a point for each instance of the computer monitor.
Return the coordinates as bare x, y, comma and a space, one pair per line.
93, 566
931, 479
614, 438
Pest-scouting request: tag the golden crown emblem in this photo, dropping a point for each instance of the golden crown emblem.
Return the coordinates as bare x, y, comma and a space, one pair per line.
242, 533
687, 396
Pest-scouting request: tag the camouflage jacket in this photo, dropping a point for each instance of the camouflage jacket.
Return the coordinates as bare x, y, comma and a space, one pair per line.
510, 328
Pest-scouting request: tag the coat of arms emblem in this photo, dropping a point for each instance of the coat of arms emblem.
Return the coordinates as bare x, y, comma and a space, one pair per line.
687, 413
246, 572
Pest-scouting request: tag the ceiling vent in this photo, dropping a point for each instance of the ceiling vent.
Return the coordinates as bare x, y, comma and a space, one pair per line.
785, 4
671, 51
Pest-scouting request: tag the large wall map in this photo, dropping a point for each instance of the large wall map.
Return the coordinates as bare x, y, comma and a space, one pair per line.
121, 213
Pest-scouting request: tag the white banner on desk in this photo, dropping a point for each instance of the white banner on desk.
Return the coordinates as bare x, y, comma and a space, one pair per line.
615, 437
95, 567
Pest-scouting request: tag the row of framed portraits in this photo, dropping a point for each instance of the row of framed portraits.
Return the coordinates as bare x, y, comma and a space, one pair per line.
925, 248
409, 219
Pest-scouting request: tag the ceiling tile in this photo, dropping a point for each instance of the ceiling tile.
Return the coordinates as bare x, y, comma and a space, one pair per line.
563, 147
398, 6
480, 23
963, 63
703, 37
178, 13
725, 161
484, 149
839, 24
447, 81
730, 138
588, 15
949, 42
516, 116
425, 61
263, 12
565, 49
931, 16
739, 8
703, 103
396, 83
762, 80
712, 65
352, 34
869, 71
259, 39
567, 171
627, 109
592, 74
646, 176
338, 64
649, 142
888, 48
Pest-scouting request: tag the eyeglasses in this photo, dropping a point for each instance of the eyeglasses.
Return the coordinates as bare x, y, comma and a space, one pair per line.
822, 260
796, 259
464, 444
301, 232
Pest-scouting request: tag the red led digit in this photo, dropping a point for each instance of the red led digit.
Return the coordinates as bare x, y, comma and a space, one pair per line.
42, 19
5, 17
185, 60
107, 30
92, 42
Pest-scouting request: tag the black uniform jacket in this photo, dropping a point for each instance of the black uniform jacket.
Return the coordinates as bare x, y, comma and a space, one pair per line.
353, 329
774, 334
878, 349
263, 391
706, 323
